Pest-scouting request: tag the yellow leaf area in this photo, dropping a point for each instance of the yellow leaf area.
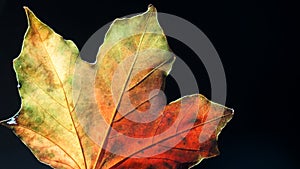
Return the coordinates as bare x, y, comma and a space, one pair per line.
110, 114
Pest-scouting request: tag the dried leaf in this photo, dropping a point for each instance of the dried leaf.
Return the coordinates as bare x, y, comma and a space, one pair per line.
110, 114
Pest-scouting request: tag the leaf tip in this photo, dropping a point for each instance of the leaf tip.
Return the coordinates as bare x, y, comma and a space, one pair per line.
9, 122
30, 15
151, 8
27, 10
229, 112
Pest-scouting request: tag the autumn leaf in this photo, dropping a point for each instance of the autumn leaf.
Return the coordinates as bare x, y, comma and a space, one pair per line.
112, 113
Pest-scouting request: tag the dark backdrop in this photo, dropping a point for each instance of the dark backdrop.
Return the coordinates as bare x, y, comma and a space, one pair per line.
255, 41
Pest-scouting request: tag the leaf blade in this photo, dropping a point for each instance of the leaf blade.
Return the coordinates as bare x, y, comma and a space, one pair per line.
183, 146
44, 70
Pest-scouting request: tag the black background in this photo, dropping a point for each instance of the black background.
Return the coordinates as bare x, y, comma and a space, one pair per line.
256, 43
